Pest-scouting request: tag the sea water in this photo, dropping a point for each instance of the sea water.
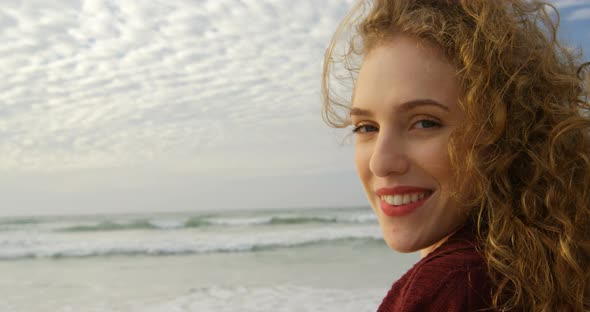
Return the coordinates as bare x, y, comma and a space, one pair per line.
268, 260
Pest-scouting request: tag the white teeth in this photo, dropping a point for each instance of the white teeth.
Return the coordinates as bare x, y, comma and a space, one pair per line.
398, 200
388, 199
407, 198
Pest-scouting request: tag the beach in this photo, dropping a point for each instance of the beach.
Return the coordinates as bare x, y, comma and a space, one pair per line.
312, 260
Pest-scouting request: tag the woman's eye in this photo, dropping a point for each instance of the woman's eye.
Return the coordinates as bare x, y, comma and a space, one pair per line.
364, 129
426, 123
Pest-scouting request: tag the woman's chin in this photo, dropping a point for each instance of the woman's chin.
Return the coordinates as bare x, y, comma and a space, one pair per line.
401, 246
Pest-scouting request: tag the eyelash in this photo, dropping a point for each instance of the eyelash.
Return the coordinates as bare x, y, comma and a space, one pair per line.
435, 123
357, 129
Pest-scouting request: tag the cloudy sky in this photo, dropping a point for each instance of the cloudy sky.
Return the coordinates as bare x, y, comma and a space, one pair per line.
130, 105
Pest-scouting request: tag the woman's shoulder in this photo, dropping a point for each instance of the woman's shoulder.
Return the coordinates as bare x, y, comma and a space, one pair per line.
452, 278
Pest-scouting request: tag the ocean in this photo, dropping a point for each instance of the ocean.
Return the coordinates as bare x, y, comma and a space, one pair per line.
267, 260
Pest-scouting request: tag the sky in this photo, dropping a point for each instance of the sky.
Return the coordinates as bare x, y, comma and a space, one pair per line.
126, 106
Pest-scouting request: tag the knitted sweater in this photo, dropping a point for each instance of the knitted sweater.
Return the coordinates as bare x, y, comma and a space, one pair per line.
451, 278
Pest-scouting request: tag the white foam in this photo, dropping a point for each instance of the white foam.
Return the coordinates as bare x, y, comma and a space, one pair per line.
359, 218
271, 299
17, 245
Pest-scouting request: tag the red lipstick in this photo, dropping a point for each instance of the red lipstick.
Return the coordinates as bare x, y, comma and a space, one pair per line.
401, 210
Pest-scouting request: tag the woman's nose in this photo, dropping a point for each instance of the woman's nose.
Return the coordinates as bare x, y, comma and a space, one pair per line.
388, 157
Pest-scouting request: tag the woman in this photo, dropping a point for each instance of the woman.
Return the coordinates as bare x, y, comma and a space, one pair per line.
472, 143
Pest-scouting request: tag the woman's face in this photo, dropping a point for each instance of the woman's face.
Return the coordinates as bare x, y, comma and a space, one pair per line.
405, 107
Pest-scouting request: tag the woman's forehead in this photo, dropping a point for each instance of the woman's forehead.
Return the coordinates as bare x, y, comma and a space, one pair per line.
403, 71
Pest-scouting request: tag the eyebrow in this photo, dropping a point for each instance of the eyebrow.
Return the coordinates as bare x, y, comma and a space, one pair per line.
404, 107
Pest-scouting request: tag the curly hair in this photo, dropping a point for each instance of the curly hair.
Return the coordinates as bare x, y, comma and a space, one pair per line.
523, 152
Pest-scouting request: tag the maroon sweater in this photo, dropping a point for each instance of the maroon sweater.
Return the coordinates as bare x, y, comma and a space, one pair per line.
451, 278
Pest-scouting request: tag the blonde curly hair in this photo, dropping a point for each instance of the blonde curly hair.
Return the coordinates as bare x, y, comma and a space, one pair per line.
523, 152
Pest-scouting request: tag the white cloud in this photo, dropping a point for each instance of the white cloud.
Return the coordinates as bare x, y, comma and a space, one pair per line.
581, 14
99, 83
560, 4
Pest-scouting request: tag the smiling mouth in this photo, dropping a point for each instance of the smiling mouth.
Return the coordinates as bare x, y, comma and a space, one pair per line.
400, 200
